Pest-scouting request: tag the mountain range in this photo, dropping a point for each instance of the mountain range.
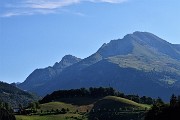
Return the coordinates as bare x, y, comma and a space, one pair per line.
139, 63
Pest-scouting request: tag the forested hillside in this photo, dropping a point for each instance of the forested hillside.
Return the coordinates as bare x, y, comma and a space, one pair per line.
15, 96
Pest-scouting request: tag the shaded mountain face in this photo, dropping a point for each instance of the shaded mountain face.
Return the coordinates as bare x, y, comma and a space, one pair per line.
39, 77
177, 47
140, 63
14, 96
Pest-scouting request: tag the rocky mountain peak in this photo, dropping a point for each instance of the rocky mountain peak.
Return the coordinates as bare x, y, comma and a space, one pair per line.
70, 58
137, 41
67, 60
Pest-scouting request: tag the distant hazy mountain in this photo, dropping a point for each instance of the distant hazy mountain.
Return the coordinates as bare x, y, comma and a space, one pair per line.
140, 63
14, 96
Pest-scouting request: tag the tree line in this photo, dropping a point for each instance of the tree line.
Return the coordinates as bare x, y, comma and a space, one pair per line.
94, 93
162, 111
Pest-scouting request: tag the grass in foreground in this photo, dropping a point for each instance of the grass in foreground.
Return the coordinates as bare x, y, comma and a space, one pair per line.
52, 117
128, 102
57, 105
106, 107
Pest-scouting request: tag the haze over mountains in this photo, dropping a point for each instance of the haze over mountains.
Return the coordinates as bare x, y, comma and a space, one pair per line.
140, 63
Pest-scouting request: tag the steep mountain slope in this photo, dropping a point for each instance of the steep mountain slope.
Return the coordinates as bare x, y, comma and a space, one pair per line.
15, 96
140, 63
39, 77
177, 47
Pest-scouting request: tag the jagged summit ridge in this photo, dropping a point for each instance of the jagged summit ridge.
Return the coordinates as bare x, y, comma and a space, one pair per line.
67, 60
41, 76
138, 42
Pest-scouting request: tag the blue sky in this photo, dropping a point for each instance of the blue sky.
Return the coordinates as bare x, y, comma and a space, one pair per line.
38, 33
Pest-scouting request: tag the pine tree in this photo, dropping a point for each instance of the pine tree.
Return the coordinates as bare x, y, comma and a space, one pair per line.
173, 100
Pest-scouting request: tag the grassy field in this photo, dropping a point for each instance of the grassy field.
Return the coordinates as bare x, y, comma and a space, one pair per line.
128, 102
57, 105
117, 108
45, 112
77, 111
52, 117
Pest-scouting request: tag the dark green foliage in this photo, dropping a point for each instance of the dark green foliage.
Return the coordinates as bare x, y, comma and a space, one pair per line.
63, 110
34, 106
173, 100
57, 110
93, 93
5, 106
159, 101
37, 105
101, 92
52, 110
5, 115
109, 115
161, 111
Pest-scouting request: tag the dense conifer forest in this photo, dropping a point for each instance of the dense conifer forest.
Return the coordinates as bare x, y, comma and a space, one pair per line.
95, 93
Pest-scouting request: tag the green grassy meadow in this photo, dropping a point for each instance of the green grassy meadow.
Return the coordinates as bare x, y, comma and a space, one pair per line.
68, 116
128, 102
57, 105
78, 111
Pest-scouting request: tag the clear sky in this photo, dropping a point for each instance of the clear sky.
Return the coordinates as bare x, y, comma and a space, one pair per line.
38, 33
